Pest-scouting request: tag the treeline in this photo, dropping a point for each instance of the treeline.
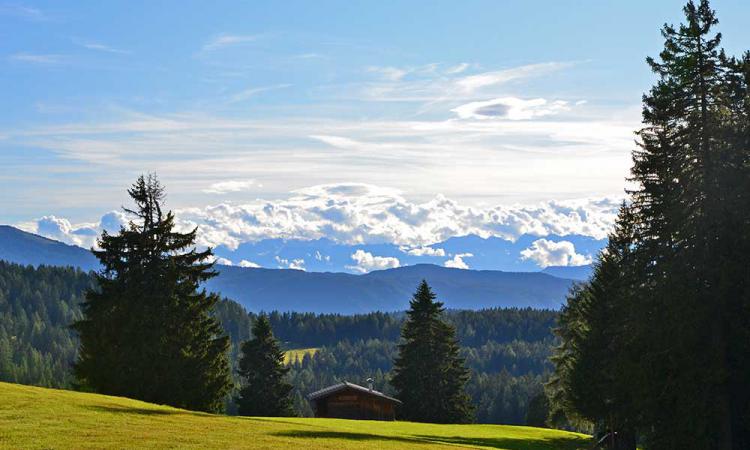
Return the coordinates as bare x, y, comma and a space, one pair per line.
475, 328
507, 350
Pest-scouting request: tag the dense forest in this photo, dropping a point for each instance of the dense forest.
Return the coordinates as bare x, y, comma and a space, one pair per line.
507, 350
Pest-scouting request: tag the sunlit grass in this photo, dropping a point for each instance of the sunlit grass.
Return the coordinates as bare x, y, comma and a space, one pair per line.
38, 418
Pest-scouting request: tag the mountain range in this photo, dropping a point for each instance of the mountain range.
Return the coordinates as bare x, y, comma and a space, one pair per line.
261, 289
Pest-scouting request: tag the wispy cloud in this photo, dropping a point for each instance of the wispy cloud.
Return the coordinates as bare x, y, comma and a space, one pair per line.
226, 40
434, 83
472, 83
97, 46
22, 11
251, 92
40, 59
458, 68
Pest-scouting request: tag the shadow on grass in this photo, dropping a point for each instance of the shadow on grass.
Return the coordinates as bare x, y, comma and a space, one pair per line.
141, 411
513, 443
343, 435
500, 443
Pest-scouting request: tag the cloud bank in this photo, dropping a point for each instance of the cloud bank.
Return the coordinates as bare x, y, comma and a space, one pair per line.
354, 213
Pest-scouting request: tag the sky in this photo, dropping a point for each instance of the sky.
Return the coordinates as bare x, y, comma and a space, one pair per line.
380, 121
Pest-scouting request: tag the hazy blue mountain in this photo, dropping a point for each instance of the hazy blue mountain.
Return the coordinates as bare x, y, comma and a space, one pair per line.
325, 255
580, 273
386, 290
21, 247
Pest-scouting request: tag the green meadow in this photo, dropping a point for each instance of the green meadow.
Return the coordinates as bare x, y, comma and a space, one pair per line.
39, 418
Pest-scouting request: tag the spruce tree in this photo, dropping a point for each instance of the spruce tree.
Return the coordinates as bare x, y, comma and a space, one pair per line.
594, 364
667, 351
428, 374
147, 331
265, 391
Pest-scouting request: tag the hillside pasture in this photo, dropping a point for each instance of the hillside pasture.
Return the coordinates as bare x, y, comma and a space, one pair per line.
39, 418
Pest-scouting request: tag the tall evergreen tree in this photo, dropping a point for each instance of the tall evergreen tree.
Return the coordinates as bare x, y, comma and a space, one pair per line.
594, 363
429, 375
691, 212
680, 332
265, 392
147, 332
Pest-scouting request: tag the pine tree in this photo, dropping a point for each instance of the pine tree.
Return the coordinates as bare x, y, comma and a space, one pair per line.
265, 391
675, 361
594, 364
429, 375
147, 332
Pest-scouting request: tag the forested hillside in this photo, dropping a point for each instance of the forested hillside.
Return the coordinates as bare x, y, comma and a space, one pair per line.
36, 307
506, 349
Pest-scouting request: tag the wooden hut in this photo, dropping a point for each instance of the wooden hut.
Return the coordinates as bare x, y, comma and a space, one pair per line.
352, 401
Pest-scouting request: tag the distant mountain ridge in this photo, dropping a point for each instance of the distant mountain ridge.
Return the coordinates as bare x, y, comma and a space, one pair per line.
386, 290
329, 292
25, 248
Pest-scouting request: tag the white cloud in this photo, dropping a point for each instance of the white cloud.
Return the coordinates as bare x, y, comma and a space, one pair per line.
367, 262
296, 264
223, 261
227, 40
246, 263
321, 257
457, 262
511, 108
355, 213
223, 187
423, 251
549, 253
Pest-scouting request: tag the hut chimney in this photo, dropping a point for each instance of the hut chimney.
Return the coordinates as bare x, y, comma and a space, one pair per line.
369, 383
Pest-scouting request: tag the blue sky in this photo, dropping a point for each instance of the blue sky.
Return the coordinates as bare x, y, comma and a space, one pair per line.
253, 105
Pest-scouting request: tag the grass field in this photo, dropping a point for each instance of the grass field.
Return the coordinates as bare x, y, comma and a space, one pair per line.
297, 354
38, 418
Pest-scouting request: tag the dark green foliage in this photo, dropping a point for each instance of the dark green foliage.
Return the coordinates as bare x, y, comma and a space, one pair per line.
538, 412
429, 375
474, 328
658, 342
595, 364
36, 307
264, 392
147, 332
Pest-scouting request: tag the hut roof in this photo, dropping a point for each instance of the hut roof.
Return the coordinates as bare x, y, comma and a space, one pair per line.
325, 392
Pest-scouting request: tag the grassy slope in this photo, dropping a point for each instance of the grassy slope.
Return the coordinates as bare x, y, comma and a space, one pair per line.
298, 354
32, 417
